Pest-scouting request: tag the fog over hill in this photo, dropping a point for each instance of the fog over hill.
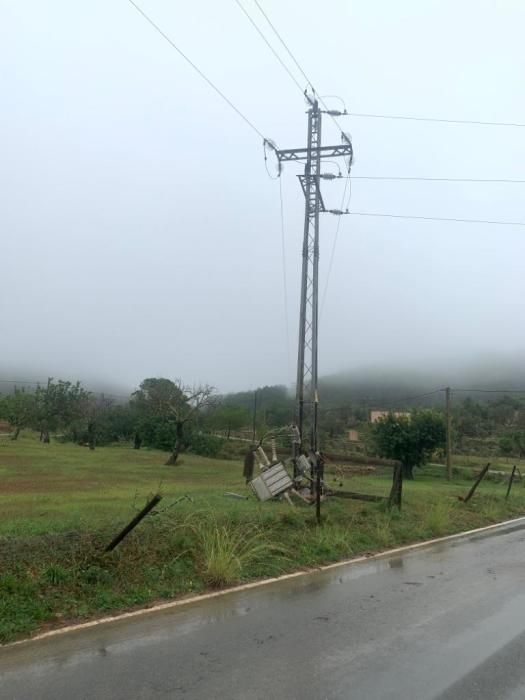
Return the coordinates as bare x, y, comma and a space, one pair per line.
377, 383
369, 384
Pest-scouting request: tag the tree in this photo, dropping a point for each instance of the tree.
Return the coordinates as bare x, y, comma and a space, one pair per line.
171, 407
410, 440
58, 405
19, 408
513, 444
506, 446
102, 423
229, 418
96, 410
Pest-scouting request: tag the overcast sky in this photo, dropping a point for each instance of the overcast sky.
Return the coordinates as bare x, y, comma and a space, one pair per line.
140, 232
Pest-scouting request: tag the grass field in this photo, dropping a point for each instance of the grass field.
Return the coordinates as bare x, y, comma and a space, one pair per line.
61, 504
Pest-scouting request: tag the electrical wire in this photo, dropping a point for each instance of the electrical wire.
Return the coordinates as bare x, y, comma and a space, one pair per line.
489, 391
436, 218
195, 68
37, 383
284, 44
283, 64
434, 179
297, 64
433, 119
348, 186
20, 381
392, 402
285, 283
413, 398
272, 177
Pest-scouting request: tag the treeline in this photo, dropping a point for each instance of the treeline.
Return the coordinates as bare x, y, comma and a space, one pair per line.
168, 415
162, 413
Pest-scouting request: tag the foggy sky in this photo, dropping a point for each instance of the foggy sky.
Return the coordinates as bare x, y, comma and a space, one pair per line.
140, 232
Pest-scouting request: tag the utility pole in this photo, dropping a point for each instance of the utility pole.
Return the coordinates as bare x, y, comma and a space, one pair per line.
448, 433
307, 396
254, 431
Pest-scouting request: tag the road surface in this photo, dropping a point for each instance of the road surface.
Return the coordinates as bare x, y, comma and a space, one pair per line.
445, 622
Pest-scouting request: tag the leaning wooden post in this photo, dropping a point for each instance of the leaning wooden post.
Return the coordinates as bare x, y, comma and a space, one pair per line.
510, 481
136, 520
476, 484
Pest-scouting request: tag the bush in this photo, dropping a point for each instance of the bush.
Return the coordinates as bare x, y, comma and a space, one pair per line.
206, 445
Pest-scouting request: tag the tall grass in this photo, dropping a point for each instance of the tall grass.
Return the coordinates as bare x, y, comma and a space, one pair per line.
226, 552
437, 518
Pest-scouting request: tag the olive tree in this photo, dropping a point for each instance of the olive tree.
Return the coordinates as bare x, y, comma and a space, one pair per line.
171, 407
410, 440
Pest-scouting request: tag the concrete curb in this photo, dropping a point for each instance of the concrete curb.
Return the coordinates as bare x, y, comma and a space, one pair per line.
257, 584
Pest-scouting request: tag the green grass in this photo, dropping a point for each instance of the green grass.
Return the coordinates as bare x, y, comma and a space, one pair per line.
61, 504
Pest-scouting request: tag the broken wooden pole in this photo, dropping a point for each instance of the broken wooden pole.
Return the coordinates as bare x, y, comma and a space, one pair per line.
136, 520
510, 481
476, 484
358, 496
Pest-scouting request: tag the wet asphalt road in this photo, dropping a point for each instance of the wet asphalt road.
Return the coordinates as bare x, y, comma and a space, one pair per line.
441, 623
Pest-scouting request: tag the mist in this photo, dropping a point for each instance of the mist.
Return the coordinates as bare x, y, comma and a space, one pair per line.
141, 234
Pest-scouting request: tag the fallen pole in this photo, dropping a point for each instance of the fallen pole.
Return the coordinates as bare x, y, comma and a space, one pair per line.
136, 520
481, 476
510, 481
357, 496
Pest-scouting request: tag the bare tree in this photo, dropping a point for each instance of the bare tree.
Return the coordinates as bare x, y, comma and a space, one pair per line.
191, 402
174, 403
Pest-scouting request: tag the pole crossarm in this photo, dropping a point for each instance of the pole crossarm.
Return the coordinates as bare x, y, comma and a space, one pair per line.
291, 154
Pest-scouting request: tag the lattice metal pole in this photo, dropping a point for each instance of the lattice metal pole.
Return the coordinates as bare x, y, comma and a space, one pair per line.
307, 398
307, 374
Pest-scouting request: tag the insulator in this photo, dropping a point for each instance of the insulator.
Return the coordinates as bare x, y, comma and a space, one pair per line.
262, 458
329, 176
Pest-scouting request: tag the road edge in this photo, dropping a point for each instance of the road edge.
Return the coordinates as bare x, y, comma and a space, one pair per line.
259, 583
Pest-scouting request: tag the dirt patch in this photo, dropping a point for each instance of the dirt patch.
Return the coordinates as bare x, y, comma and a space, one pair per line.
49, 485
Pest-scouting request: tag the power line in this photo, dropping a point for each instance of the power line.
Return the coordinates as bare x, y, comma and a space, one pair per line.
432, 179
436, 218
489, 391
392, 402
297, 64
284, 44
285, 284
283, 64
195, 68
21, 381
334, 243
433, 119
411, 398
41, 382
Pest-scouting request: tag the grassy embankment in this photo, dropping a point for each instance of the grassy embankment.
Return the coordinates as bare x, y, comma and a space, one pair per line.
61, 504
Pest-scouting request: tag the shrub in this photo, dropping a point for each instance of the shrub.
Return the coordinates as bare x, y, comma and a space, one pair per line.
206, 445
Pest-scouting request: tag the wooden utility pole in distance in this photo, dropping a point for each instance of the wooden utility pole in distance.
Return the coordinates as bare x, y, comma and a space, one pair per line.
254, 431
448, 431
